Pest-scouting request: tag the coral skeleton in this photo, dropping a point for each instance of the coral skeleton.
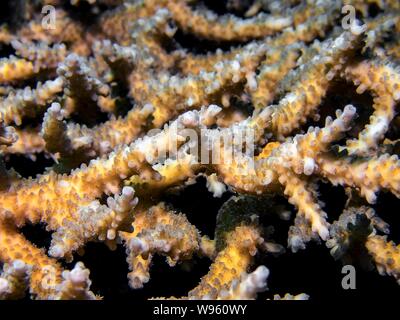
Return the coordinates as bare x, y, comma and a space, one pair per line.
127, 113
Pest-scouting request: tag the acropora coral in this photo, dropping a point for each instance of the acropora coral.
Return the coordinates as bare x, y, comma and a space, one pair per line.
101, 90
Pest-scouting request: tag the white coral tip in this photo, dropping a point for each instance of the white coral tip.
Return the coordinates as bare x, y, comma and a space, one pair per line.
128, 191
77, 276
4, 286
57, 251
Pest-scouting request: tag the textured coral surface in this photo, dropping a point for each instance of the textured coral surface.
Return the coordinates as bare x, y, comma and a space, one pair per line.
111, 114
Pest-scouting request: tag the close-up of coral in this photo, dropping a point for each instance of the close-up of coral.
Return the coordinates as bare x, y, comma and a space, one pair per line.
195, 149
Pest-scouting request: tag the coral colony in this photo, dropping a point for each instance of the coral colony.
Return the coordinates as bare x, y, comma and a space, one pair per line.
126, 114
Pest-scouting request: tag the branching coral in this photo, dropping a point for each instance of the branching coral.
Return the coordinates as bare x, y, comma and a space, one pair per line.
129, 113
158, 231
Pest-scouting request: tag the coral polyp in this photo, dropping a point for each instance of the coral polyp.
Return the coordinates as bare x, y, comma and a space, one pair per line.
131, 101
